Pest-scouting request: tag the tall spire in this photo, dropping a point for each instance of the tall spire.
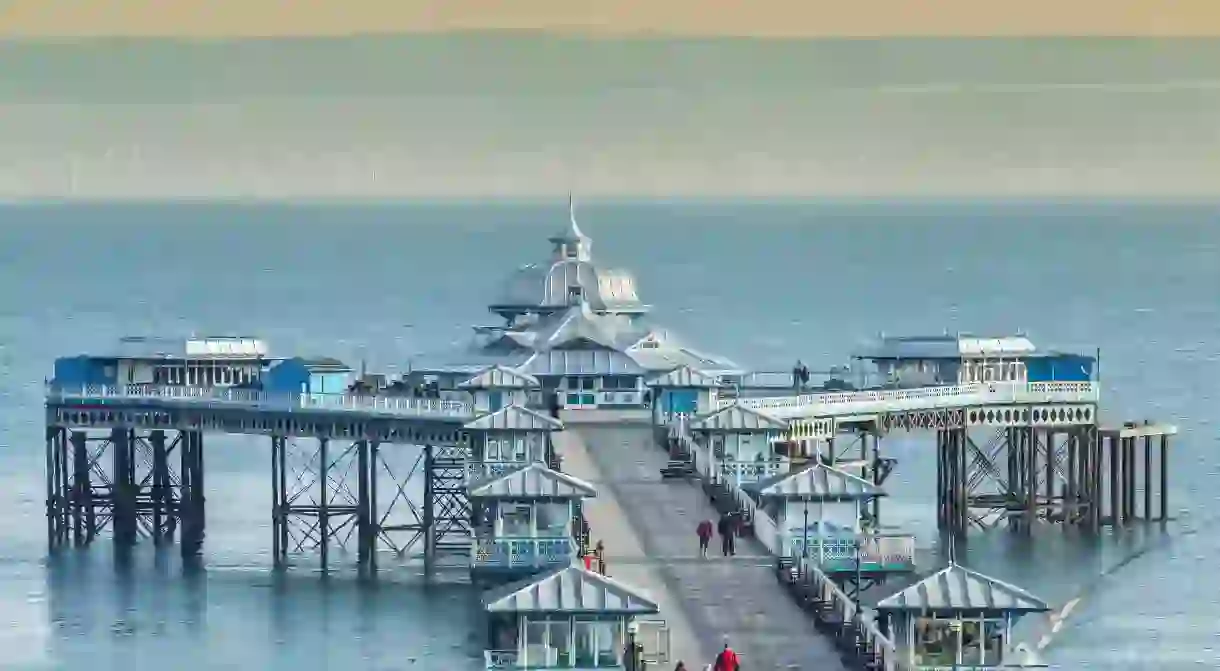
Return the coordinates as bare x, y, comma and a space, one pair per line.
575, 231
571, 242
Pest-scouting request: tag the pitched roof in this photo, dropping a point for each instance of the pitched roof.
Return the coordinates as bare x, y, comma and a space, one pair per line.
569, 590
581, 362
533, 481
684, 377
957, 588
514, 418
500, 377
817, 482
738, 417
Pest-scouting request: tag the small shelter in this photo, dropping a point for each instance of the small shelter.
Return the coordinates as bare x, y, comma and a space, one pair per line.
683, 390
956, 618
524, 519
499, 386
739, 441
568, 618
818, 511
507, 438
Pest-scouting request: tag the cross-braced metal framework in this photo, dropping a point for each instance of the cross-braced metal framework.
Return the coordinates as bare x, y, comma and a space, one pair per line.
329, 495
125, 480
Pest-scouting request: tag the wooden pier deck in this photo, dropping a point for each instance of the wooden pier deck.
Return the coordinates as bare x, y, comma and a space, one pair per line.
648, 526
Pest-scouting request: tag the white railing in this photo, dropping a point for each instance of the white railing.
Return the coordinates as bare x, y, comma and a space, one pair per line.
483, 470
259, 400
510, 552
881, 647
740, 472
892, 552
923, 398
499, 659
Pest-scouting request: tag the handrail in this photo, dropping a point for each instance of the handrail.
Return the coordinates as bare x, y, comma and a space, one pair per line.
261, 400
877, 400
829, 592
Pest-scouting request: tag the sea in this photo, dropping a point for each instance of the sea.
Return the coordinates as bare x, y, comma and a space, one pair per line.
764, 283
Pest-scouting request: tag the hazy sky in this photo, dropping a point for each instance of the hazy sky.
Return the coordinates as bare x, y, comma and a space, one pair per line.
486, 115
769, 18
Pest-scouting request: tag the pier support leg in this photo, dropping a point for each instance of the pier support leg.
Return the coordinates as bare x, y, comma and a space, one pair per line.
191, 504
364, 531
1071, 498
124, 493
1115, 482
940, 479
375, 516
160, 486
324, 530
1147, 516
1164, 478
82, 490
1097, 490
1051, 462
1029, 440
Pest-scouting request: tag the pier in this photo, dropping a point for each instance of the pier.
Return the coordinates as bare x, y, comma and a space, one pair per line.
579, 419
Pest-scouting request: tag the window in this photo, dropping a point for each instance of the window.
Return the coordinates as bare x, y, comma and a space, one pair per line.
597, 643
516, 520
552, 520
938, 642
625, 382
588, 383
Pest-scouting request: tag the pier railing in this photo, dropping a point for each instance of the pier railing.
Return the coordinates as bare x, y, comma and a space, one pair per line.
130, 394
875, 643
508, 552
877, 552
740, 472
484, 470
922, 398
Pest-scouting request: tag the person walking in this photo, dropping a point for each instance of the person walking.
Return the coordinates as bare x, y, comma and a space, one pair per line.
726, 660
704, 531
725, 528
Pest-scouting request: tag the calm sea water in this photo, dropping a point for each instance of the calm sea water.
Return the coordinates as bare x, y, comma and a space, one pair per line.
764, 284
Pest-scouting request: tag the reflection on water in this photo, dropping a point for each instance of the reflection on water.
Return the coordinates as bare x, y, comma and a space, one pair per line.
106, 610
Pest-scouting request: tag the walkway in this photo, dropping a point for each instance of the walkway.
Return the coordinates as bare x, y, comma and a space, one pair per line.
625, 557
738, 598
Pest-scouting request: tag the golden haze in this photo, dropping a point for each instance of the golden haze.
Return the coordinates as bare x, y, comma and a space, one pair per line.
218, 19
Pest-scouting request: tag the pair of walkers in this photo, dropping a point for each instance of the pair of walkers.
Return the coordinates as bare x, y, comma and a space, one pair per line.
726, 527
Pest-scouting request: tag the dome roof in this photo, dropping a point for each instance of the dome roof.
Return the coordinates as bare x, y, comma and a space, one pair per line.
570, 277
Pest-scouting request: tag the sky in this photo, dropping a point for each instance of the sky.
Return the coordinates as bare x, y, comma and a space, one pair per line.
532, 113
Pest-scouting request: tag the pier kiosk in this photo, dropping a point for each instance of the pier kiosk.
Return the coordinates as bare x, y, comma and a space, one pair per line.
819, 513
568, 618
498, 386
957, 618
738, 441
508, 438
523, 521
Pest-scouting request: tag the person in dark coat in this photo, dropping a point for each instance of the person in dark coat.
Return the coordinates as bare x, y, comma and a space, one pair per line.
725, 528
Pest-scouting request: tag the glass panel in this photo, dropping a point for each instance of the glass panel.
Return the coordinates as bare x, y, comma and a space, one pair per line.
516, 517
586, 644
935, 642
609, 644
552, 519
561, 654
586, 383
993, 645
535, 644
972, 642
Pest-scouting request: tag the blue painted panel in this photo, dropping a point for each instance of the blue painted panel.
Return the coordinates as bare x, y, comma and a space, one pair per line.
1060, 368
682, 400
289, 376
495, 400
84, 370
329, 383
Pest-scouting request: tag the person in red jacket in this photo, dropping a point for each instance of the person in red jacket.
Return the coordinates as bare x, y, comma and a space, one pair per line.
704, 530
726, 660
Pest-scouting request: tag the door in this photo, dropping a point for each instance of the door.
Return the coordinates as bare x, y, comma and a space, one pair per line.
653, 637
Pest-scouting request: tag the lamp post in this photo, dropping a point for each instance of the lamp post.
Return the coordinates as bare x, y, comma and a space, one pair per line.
633, 650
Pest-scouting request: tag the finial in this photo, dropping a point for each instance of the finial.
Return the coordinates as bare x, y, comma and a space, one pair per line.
576, 232
952, 552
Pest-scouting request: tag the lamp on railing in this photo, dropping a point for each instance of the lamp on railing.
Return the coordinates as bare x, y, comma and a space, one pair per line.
633, 648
